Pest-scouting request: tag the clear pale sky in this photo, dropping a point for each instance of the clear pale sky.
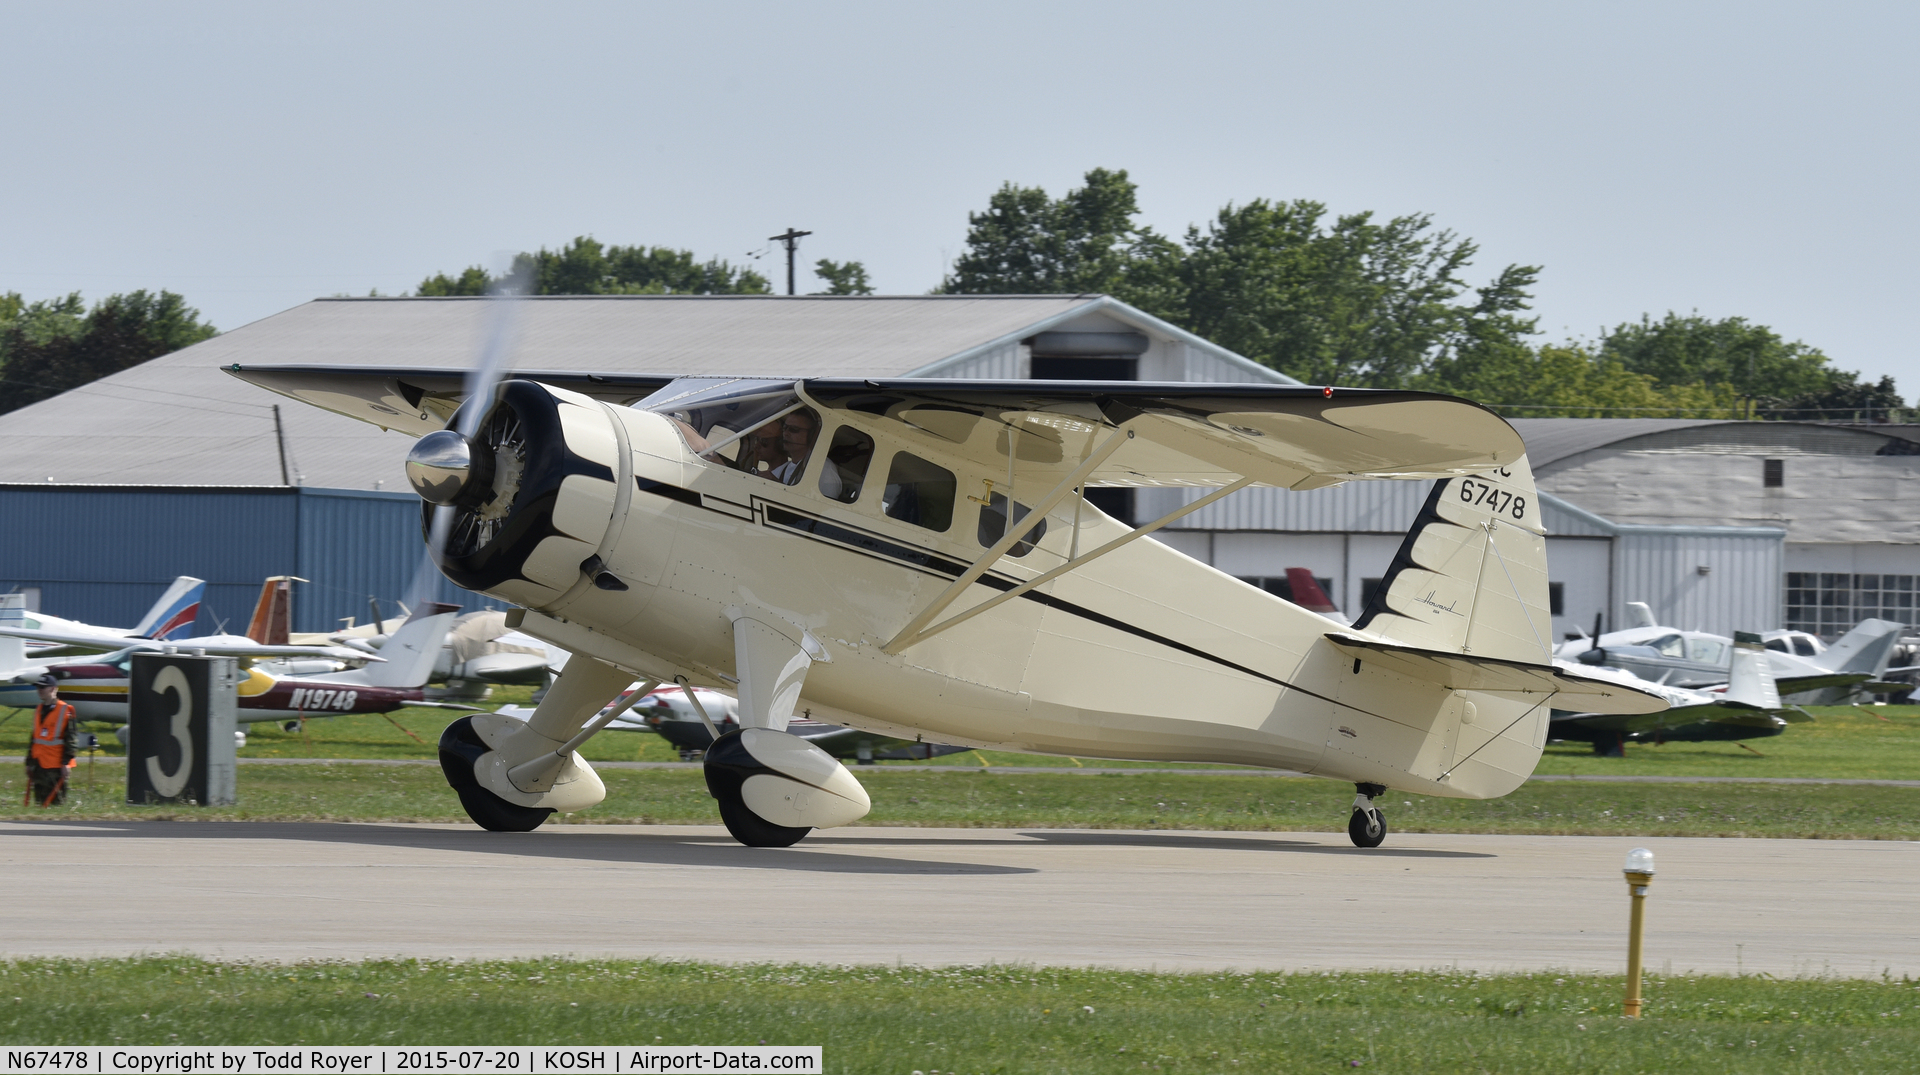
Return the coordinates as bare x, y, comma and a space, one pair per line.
1734, 158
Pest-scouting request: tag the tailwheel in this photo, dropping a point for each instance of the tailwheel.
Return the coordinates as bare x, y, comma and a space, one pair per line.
460, 748
1367, 827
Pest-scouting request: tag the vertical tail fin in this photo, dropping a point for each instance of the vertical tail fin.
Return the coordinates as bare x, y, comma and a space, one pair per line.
272, 622
411, 651
1867, 648
172, 616
1471, 576
1750, 677
1307, 592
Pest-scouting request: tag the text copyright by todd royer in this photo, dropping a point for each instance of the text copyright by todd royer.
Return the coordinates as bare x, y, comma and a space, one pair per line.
411, 1059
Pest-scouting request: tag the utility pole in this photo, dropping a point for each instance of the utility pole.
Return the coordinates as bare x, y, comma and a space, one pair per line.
280, 438
791, 240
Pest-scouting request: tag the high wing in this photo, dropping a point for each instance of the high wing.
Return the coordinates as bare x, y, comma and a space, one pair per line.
240, 647
416, 400
1289, 436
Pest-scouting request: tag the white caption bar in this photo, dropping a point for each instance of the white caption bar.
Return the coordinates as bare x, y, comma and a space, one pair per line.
414, 1060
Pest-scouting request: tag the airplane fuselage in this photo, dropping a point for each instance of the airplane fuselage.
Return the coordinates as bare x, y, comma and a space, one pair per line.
99, 692
1141, 654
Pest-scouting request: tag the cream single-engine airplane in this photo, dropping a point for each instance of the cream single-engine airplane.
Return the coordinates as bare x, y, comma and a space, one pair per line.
655, 530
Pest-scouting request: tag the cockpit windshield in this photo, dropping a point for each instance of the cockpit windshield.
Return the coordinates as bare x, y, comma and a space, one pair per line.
759, 426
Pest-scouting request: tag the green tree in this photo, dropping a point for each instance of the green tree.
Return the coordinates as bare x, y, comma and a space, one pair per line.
1570, 381
842, 277
472, 281
1846, 398
587, 267
51, 346
1029, 244
1753, 359
1352, 301
1349, 301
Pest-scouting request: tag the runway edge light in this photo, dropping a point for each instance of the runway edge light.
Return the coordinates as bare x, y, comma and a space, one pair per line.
1639, 871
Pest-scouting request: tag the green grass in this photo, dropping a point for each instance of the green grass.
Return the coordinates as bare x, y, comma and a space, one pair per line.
1874, 743
988, 1019
1149, 800
1844, 742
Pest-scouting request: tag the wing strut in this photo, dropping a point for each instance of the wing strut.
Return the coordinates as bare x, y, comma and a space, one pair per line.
1015, 531
902, 641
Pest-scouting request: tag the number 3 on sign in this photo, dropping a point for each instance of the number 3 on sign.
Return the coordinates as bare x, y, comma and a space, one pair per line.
173, 681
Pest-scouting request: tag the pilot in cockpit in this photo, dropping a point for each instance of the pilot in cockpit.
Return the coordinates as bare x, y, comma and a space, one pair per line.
797, 434
761, 452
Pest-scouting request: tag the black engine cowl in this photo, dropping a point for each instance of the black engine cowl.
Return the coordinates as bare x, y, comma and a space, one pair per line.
483, 539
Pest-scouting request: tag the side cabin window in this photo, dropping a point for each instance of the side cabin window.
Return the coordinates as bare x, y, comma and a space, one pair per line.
845, 469
993, 525
919, 492
1707, 651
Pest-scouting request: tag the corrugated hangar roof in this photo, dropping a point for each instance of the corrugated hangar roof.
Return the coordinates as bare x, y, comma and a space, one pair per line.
179, 421
1553, 440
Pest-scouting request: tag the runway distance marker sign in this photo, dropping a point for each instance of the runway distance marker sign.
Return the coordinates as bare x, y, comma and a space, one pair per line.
181, 714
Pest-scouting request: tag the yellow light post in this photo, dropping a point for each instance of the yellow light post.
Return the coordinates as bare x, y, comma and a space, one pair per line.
1639, 871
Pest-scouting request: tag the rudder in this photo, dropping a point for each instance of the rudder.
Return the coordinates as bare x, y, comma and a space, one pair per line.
1471, 576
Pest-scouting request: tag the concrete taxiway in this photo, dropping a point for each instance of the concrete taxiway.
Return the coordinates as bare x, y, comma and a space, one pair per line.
1171, 900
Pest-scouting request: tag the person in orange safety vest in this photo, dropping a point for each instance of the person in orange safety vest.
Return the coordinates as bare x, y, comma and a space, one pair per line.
54, 736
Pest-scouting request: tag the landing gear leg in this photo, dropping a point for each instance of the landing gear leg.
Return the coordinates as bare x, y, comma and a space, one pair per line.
510, 774
1367, 828
773, 788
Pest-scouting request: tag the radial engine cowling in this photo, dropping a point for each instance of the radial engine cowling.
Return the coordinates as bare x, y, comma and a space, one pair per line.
521, 508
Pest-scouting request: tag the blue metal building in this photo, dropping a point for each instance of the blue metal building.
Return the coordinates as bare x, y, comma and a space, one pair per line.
102, 554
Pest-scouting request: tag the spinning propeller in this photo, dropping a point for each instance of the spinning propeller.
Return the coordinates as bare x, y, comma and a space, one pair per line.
467, 473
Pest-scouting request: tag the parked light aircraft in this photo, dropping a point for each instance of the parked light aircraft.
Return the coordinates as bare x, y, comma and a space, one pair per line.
1697, 659
98, 687
479, 647
926, 564
1747, 707
171, 617
19, 672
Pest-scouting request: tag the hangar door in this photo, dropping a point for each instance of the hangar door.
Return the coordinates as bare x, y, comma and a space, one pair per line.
1580, 574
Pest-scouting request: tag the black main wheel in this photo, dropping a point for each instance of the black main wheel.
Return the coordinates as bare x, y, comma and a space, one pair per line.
460, 747
751, 829
1367, 830
728, 765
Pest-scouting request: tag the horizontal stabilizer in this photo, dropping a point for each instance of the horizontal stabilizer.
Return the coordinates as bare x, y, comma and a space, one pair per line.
1799, 684
1466, 672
